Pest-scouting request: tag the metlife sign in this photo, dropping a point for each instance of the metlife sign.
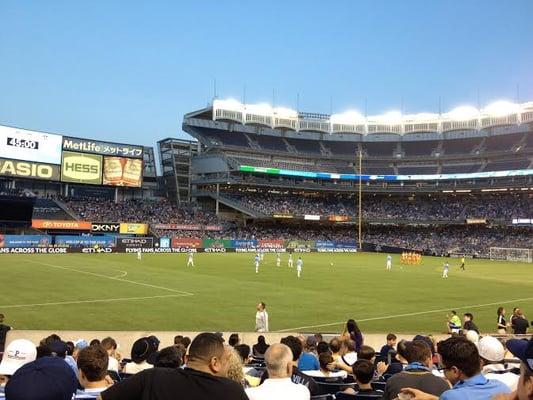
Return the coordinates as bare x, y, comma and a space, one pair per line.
103, 148
22, 144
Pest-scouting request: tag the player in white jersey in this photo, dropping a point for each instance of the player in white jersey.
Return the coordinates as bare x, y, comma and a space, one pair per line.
256, 262
139, 255
299, 265
445, 270
278, 259
261, 255
190, 261
389, 262
290, 260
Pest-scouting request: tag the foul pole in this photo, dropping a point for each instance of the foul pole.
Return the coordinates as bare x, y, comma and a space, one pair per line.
360, 201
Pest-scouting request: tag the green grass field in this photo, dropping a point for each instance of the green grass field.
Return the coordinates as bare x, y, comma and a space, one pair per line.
117, 292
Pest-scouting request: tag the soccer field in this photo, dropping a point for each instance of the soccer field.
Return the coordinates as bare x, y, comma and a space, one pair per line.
118, 292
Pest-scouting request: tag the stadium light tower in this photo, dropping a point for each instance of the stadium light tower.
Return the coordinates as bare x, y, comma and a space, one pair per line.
360, 200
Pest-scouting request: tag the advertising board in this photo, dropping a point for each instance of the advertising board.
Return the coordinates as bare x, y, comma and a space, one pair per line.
62, 225
81, 168
29, 169
186, 242
133, 228
103, 148
177, 227
85, 241
25, 240
120, 171
105, 227
22, 144
135, 242
244, 244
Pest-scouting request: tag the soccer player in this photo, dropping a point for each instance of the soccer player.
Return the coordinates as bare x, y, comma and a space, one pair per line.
299, 265
290, 260
139, 255
256, 262
278, 259
261, 255
190, 261
463, 262
261, 318
389, 262
445, 270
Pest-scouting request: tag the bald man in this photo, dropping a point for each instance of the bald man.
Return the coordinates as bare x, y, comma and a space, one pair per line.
278, 359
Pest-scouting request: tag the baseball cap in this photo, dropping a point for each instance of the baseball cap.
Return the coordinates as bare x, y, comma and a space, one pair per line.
18, 353
58, 348
491, 349
311, 341
522, 349
473, 337
81, 343
47, 378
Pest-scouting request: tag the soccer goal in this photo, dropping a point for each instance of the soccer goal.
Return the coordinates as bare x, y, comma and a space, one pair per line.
510, 254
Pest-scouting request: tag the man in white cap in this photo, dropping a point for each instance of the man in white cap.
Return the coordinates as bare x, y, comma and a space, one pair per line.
492, 354
18, 353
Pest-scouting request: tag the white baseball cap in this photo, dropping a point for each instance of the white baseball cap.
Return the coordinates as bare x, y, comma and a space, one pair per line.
491, 349
18, 353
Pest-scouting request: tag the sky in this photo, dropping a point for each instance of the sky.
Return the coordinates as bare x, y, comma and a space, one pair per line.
128, 71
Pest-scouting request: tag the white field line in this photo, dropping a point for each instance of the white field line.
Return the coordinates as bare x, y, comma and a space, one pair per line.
118, 299
409, 314
114, 278
121, 275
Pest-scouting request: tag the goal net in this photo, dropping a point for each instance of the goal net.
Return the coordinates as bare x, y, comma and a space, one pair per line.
510, 254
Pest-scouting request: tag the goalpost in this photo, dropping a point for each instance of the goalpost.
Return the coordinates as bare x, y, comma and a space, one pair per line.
511, 254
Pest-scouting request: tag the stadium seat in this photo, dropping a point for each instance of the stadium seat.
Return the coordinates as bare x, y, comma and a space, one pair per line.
378, 385
323, 397
346, 396
114, 375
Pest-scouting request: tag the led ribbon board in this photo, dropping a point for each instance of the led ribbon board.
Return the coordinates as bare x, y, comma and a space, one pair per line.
387, 178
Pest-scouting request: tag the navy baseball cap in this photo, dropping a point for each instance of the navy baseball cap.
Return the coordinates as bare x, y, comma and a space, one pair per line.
47, 378
523, 349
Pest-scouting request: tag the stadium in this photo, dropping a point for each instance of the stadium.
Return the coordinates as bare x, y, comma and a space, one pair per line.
267, 252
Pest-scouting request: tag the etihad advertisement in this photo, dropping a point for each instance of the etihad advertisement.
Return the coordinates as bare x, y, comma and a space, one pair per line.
28, 169
22, 144
81, 168
119, 171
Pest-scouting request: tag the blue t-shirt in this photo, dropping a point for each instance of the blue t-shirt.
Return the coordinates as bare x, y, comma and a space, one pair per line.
476, 388
308, 362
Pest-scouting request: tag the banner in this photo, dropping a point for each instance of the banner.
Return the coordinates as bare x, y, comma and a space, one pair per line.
33, 250
177, 227
119, 171
105, 227
22, 144
85, 241
299, 244
81, 168
133, 228
476, 221
217, 244
338, 218
186, 242
25, 240
164, 243
103, 148
243, 244
27, 169
63, 225
328, 244
272, 244
282, 216
134, 243
213, 228
308, 217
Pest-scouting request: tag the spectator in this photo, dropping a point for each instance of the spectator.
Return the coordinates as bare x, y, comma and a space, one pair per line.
397, 364
335, 346
244, 352
501, 324
454, 323
279, 362
110, 345
260, 347
469, 325
492, 354
46, 378
234, 340
3, 333
94, 342
321, 347
417, 374
235, 370
364, 371
18, 353
325, 360
367, 353
388, 348
169, 357
140, 351
352, 331
308, 360
520, 323
524, 351
462, 368
203, 379
92, 371
349, 356
295, 345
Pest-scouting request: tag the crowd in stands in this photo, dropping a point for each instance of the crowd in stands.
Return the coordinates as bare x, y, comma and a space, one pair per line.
502, 206
463, 366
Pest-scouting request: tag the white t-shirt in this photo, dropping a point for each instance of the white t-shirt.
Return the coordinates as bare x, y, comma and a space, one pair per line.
279, 389
112, 365
133, 368
261, 321
320, 374
88, 393
508, 378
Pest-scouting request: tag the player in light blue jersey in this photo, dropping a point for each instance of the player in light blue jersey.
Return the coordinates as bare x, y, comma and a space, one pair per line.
290, 260
299, 265
445, 270
389, 262
256, 262
190, 261
278, 259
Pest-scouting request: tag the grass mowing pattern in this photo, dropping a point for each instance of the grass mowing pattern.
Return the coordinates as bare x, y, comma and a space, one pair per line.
226, 288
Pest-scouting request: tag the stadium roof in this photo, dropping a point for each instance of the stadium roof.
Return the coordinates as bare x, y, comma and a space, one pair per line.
463, 117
